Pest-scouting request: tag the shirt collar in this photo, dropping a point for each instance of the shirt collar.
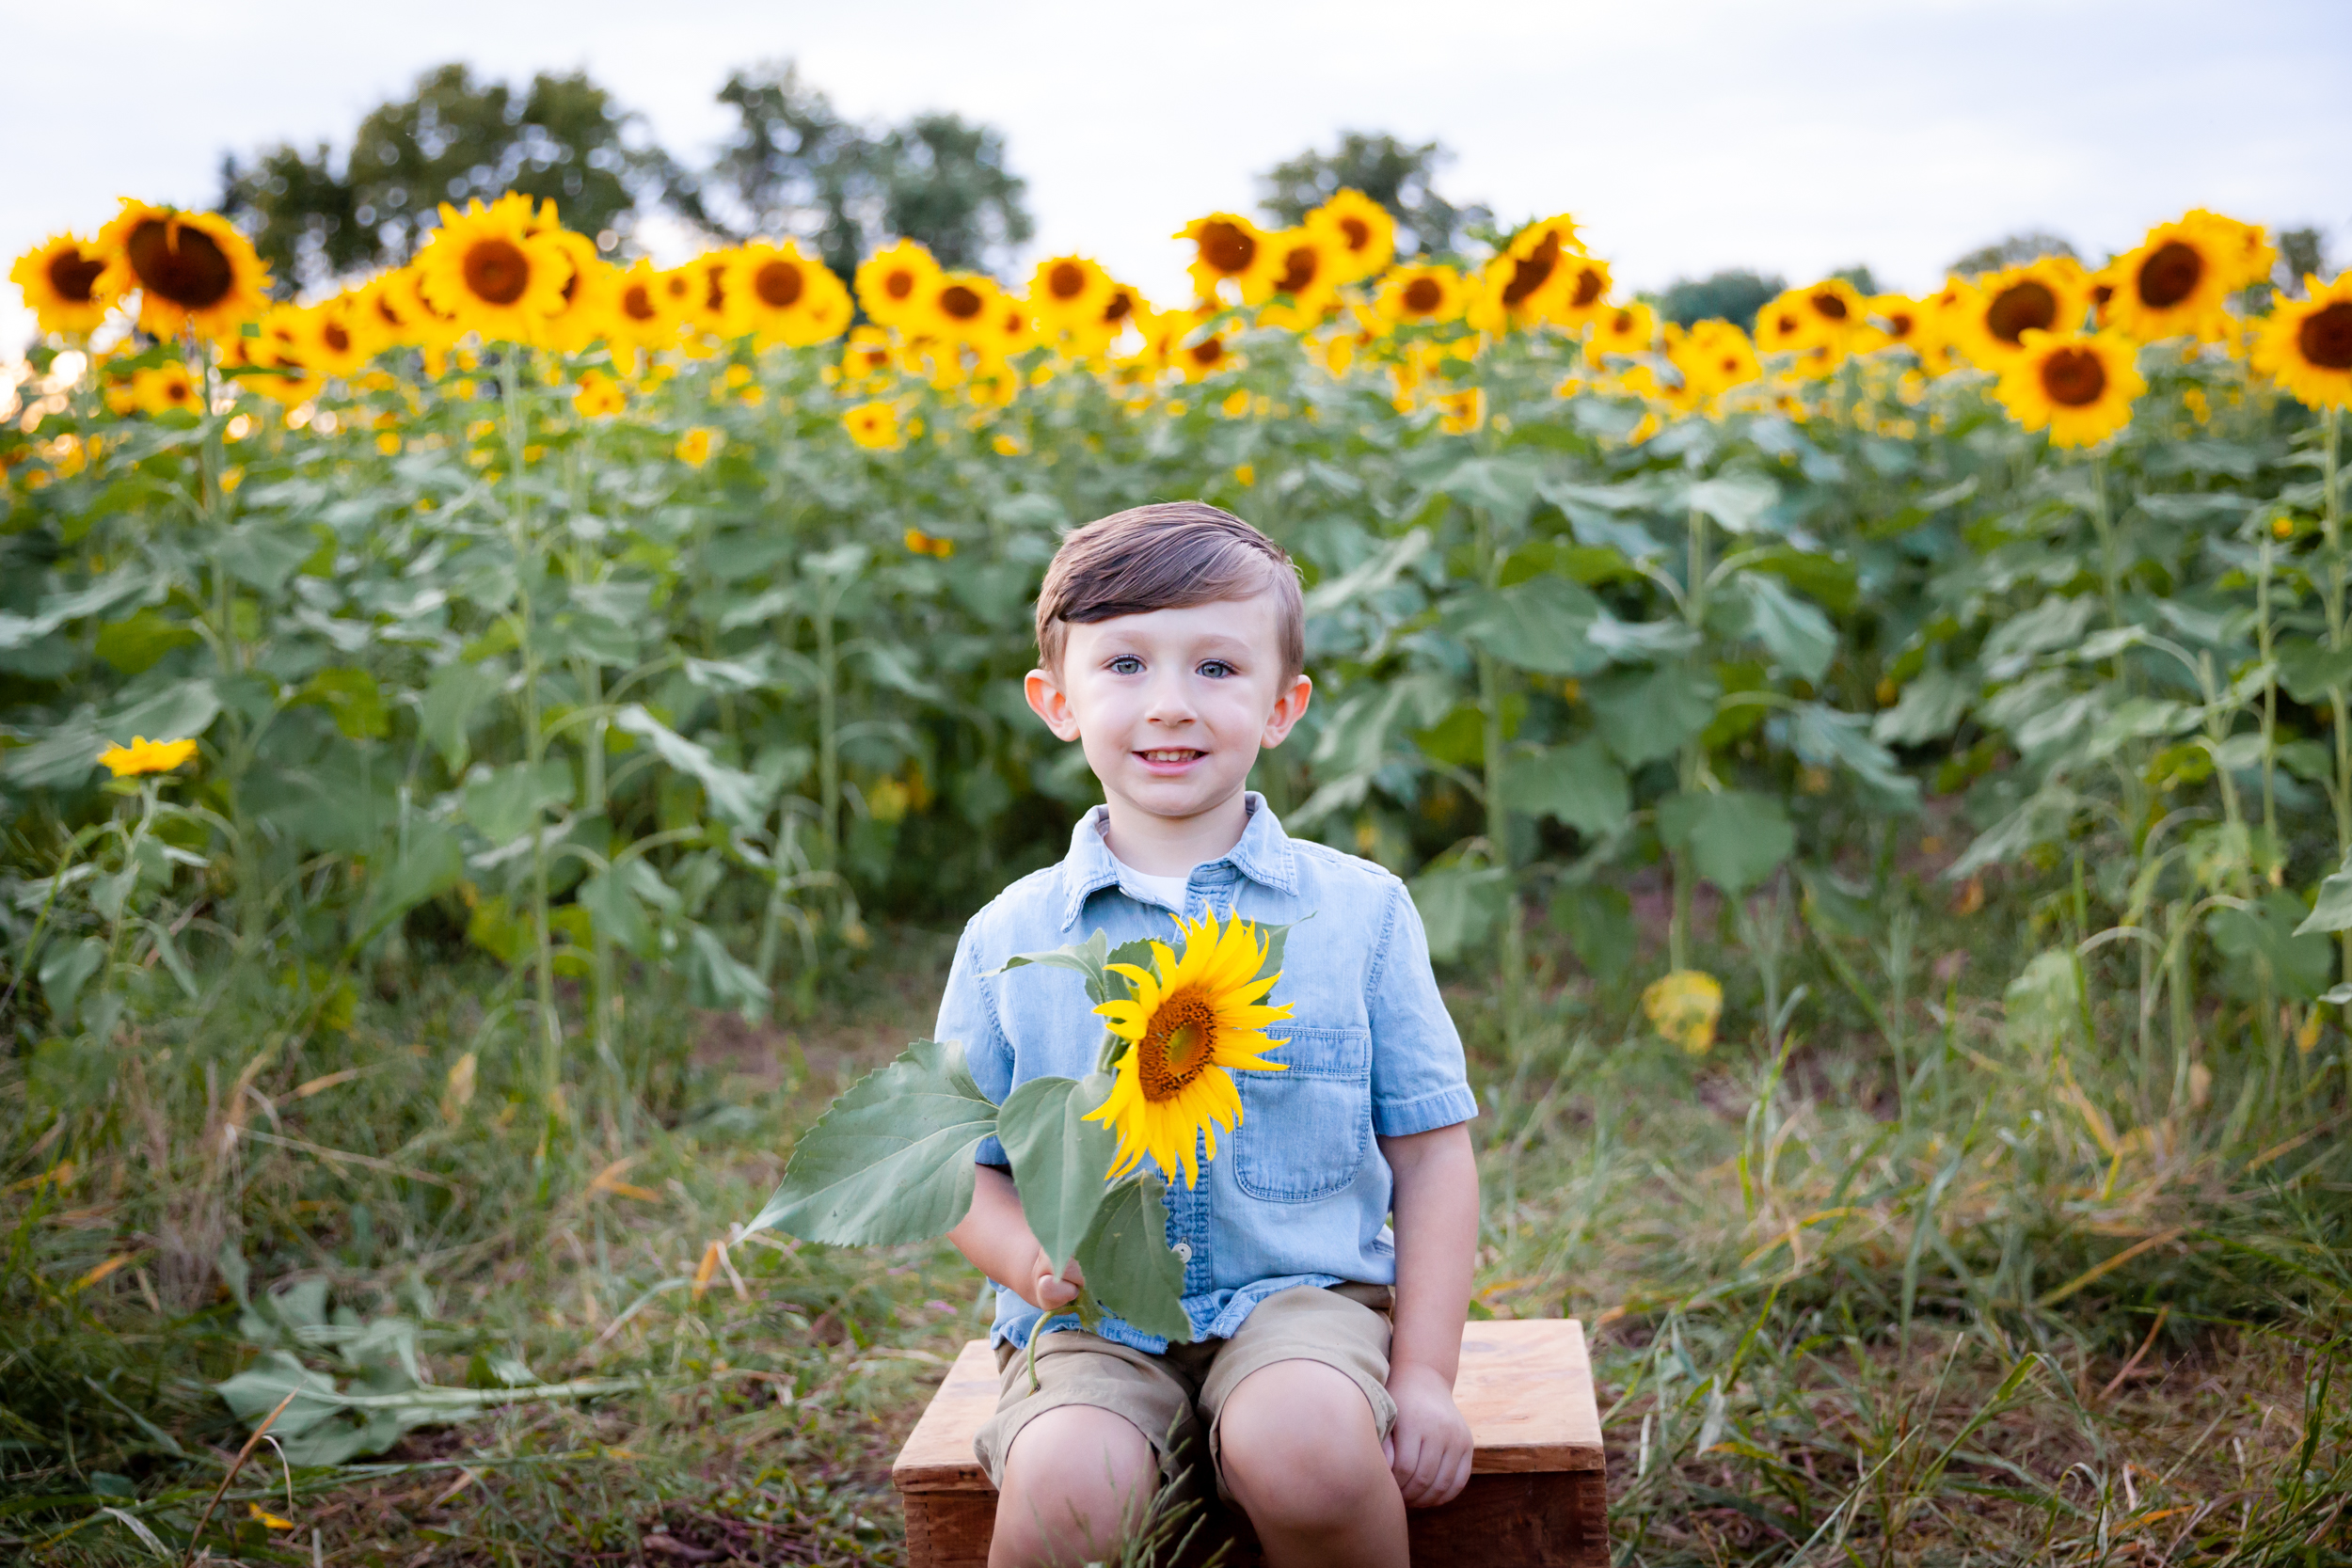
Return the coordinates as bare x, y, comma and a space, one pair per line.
1262, 854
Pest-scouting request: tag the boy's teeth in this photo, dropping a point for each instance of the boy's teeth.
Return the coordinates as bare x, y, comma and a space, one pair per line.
1170, 756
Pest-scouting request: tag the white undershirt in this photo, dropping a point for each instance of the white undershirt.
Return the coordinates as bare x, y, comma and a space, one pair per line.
1168, 889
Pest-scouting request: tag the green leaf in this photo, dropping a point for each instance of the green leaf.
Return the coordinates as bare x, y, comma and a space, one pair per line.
734, 795
619, 918
890, 1161
1503, 487
1930, 708
2331, 911
69, 753
452, 697
115, 588
1798, 636
1085, 957
719, 979
2310, 669
1648, 714
1737, 500
263, 555
1543, 624
1597, 920
1128, 1266
1458, 904
1826, 738
65, 968
1734, 839
430, 864
2265, 941
507, 804
134, 644
351, 699
1061, 1161
1578, 783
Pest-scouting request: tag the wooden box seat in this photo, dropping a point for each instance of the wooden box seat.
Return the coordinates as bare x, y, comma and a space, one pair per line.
1537, 1492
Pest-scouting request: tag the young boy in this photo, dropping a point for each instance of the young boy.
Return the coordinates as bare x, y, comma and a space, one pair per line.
1319, 1380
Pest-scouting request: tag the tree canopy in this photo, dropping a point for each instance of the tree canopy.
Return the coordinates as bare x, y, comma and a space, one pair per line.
1735, 295
1398, 175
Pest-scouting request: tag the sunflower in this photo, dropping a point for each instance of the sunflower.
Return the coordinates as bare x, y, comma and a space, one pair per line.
2080, 385
599, 396
591, 309
1526, 282
1898, 321
867, 361
964, 308
1586, 291
494, 271
1193, 1022
1361, 233
1684, 1007
59, 276
1621, 329
2247, 254
270, 361
1196, 352
1228, 248
1713, 356
1067, 295
1306, 267
775, 294
147, 756
892, 282
642, 311
873, 425
1423, 295
695, 446
1462, 411
191, 270
708, 312
1125, 309
330, 339
165, 389
2306, 344
1990, 319
2173, 285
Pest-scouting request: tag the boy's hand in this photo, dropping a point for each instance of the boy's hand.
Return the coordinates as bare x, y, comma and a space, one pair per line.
1429, 1448
1046, 1291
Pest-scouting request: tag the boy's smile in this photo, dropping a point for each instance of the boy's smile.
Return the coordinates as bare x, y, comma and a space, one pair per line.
1172, 708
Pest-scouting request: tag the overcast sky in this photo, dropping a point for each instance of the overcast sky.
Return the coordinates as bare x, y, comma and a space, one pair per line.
1794, 136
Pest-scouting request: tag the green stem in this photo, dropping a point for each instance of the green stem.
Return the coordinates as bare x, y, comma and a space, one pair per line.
511, 373
2331, 530
828, 729
2270, 712
2110, 576
1490, 700
1692, 763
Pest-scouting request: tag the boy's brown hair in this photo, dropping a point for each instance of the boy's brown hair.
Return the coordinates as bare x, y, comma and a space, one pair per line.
1169, 555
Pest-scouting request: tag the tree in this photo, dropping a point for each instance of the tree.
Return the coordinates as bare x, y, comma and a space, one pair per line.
314, 216
1396, 174
1733, 296
794, 165
2013, 250
2302, 253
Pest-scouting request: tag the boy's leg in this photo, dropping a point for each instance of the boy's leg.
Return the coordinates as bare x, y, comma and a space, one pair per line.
1298, 1407
1077, 1479
1077, 1459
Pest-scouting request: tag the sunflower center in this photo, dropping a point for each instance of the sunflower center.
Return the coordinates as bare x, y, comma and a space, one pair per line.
1177, 1047
636, 303
336, 338
496, 271
2326, 336
1225, 248
2021, 308
1532, 271
176, 391
960, 301
2074, 377
187, 268
715, 297
1588, 287
1829, 307
1066, 280
1207, 352
1298, 270
778, 285
1423, 295
898, 283
71, 273
1899, 324
2169, 276
1121, 305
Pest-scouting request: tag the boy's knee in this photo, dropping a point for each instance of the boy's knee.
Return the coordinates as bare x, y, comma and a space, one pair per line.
1298, 1447
1075, 1478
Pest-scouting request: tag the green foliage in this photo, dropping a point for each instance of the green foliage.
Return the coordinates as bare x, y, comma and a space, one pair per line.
1735, 295
2010, 250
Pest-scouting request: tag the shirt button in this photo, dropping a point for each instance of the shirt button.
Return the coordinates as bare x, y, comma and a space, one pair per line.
1183, 1251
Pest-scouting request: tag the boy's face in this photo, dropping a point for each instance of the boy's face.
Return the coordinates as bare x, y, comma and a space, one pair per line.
1172, 705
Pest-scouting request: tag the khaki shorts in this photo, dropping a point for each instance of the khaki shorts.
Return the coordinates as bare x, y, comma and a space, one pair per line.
1171, 1398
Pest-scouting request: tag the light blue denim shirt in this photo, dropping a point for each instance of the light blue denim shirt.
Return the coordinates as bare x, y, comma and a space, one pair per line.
1298, 1193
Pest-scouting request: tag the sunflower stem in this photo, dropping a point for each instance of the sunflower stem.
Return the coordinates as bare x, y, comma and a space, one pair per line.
2331, 529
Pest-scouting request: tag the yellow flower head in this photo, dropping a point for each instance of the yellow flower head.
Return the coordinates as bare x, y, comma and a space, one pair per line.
1713, 356
642, 311
494, 270
1684, 1007
778, 295
1898, 321
190, 269
928, 543
1067, 295
2306, 344
1359, 231
600, 395
872, 425
1306, 266
2080, 385
695, 447
892, 282
164, 389
59, 277
146, 757
1423, 295
1229, 248
330, 339
1621, 329
1193, 1022
1989, 319
1527, 282
2174, 284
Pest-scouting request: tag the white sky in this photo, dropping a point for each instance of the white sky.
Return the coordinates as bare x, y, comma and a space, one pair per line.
1792, 136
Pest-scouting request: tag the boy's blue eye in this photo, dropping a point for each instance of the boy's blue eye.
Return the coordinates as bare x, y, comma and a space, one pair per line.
1215, 669
1126, 664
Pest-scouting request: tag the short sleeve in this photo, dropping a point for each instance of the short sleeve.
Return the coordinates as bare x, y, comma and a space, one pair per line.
968, 1017
1419, 1083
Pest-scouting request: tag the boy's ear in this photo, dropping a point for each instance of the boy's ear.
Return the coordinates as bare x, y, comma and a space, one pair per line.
1288, 709
1049, 702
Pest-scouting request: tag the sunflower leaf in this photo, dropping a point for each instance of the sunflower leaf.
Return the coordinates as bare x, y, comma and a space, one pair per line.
890, 1161
1129, 1269
1088, 958
1059, 1159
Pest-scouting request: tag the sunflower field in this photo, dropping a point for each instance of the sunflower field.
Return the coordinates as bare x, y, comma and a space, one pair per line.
644, 645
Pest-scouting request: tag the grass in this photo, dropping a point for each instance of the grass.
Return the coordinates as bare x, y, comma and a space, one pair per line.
2014, 1304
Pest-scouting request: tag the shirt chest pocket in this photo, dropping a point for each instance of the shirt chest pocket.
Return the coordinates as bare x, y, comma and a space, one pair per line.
1305, 1131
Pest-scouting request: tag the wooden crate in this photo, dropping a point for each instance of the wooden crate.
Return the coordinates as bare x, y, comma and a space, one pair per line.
1537, 1494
